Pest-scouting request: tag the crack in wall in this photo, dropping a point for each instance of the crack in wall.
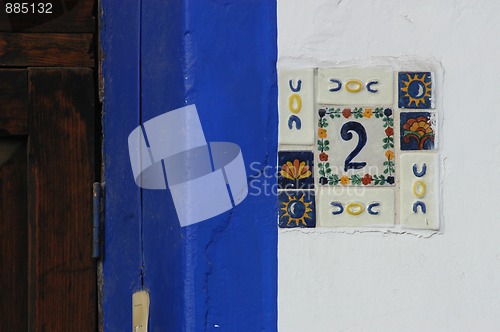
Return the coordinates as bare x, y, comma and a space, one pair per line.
216, 233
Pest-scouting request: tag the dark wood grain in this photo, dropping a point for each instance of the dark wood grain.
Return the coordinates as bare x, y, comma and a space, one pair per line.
61, 172
13, 102
48, 50
65, 16
13, 233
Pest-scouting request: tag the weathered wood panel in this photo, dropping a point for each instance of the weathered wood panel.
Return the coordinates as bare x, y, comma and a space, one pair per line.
13, 234
49, 16
13, 102
46, 50
61, 172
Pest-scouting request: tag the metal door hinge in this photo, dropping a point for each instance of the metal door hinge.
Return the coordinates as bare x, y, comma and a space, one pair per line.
96, 220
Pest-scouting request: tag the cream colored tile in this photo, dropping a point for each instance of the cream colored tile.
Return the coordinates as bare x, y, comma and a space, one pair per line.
419, 192
355, 207
355, 86
296, 106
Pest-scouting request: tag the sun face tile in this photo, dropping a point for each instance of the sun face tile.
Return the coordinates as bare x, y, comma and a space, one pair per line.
355, 207
296, 209
296, 106
417, 131
418, 191
355, 86
295, 170
415, 90
355, 146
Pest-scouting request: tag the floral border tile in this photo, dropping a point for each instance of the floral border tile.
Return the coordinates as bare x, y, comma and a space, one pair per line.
330, 176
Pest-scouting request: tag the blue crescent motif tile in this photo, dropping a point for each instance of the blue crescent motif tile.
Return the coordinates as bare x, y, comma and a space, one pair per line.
415, 90
295, 170
296, 209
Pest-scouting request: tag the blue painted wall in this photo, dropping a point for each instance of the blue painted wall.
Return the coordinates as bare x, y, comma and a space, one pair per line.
220, 274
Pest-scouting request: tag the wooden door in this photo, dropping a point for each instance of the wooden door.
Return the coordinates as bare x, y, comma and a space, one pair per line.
47, 167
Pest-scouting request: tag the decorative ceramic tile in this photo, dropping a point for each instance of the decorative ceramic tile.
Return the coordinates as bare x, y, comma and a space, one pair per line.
419, 191
355, 146
295, 170
415, 90
296, 209
355, 207
349, 117
355, 86
417, 130
296, 106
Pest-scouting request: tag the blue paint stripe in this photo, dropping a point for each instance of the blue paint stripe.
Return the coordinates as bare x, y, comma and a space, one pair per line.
221, 56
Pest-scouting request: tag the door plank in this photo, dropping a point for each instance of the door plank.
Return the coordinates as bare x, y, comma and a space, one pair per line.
61, 172
13, 233
13, 102
44, 49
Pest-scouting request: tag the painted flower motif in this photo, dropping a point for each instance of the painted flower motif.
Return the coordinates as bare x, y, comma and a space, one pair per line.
323, 156
321, 112
367, 179
389, 131
346, 112
368, 113
344, 180
322, 133
389, 154
390, 180
387, 112
420, 126
296, 171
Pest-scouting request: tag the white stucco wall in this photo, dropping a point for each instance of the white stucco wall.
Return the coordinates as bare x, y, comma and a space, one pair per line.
331, 281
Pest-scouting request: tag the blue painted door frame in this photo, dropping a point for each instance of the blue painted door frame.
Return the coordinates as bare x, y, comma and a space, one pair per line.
220, 274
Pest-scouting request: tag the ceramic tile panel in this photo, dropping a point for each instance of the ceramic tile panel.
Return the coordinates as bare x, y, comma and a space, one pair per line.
415, 90
355, 207
367, 156
295, 170
419, 205
296, 106
356, 86
418, 130
296, 209
355, 146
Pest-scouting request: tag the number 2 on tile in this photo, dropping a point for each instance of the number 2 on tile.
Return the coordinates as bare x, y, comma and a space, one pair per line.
345, 133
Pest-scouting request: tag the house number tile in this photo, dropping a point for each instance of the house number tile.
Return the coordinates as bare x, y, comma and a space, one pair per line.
355, 146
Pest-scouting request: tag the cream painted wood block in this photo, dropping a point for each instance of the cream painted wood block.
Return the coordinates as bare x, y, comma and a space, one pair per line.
355, 207
356, 86
296, 106
419, 194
